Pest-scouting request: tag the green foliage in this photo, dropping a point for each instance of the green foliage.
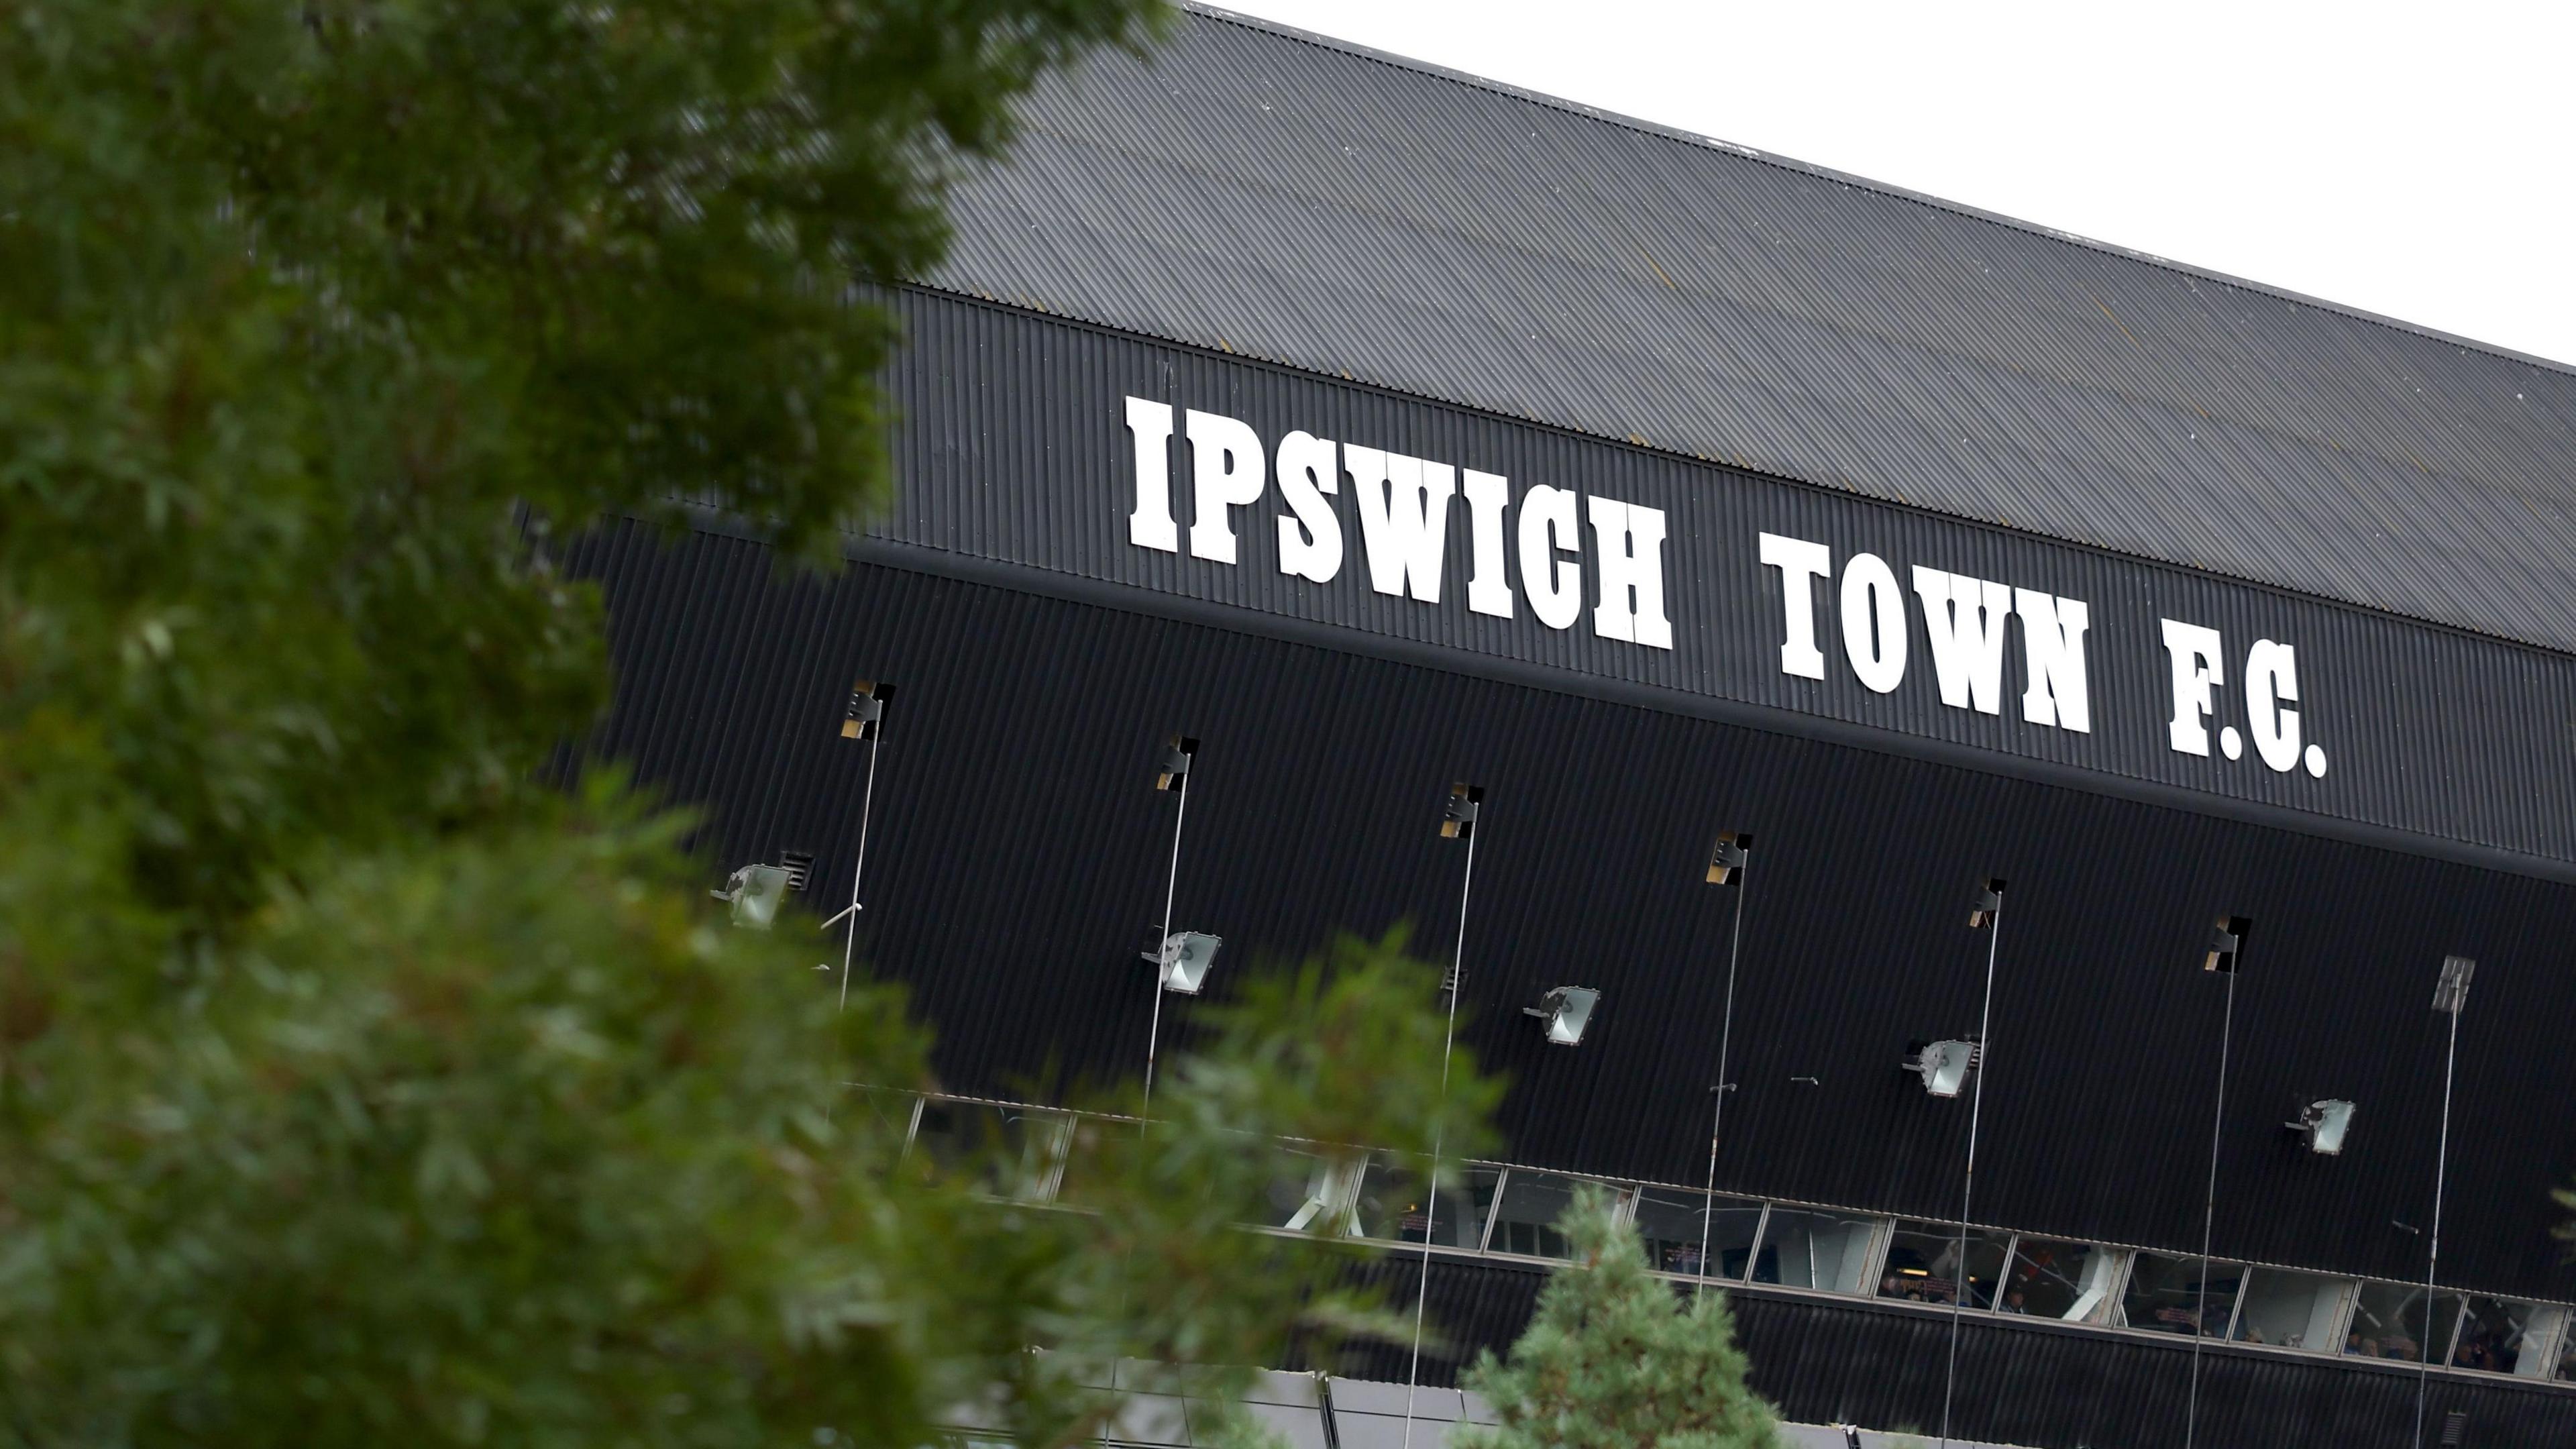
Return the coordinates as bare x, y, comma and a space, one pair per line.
1615, 1359
311, 314
354, 1087
504, 1140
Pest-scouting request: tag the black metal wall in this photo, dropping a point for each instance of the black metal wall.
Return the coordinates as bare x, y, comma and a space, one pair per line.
1016, 449
2020, 1381
1018, 852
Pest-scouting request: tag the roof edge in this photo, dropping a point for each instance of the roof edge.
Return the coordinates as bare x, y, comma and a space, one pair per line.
1845, 178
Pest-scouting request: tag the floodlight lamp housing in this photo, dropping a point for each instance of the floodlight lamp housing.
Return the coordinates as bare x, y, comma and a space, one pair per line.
2324, 1124
755, 892
1565, 1012
1172, 766
1943, 1065
2451, 993
2226, 944
1183, 960
864, 718
1734, 851
1989, 904
1458, 812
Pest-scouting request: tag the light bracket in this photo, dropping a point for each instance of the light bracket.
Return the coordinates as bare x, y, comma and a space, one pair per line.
1458, 812
1733, 852
864, 717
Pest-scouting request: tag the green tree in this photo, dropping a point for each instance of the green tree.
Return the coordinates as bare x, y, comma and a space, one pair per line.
354, 1084
1615, 1358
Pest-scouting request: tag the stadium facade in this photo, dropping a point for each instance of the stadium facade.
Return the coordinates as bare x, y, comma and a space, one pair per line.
1379, 430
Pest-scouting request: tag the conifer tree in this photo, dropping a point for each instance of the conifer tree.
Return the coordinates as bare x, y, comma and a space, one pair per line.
1615, 1359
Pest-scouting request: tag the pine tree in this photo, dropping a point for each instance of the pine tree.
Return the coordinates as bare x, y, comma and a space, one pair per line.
1615, 1359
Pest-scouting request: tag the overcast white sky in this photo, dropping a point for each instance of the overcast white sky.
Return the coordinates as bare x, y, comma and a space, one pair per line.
2412, 161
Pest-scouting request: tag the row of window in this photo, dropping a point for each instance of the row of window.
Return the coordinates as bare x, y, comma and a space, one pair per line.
1512, 1212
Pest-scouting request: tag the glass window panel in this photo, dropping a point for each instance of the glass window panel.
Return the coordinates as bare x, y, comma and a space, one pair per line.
1814, 1250
1672, 1220
2165, 1294
2061, 1280
2291, 1310
2566, 1372
2388, 1322
1525, 1221
1012, 1151
1317, 1191
1923, 1264
1391, 1203
2497, 1337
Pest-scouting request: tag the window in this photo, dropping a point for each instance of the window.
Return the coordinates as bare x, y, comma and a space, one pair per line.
1393, 1204
2388, 1322
2503, 1337
1815, 1250
1317, 1191
1012, 1151
2292, 1310
1525, 1222
2165, 1294
1923, 1264
2067, 1281
1671, 1221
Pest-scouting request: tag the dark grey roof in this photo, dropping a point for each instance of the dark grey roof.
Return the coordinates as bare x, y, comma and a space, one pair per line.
1292, 198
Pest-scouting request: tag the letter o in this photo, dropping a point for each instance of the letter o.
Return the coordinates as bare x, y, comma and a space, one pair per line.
1873, 622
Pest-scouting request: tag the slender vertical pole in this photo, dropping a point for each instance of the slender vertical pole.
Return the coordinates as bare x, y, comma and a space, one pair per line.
867, 803
1439, 1131
2441, 1164
1171, 883
2209, 1217
1717, 1112
1968, 1188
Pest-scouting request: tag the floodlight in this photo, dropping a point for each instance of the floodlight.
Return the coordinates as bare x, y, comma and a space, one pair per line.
2324, 1124
1458, 812
1990, 903
1566, 1010
865, 715
2452, 991
2226, 943
755, 892
1172, 766
1183, 960
1943, 1065
1734, 851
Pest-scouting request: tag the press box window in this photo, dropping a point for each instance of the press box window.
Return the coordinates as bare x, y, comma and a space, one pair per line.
2503, 1337
1012, 1152
1828, 1251
2070, 1282
2165, 1294
1525, 1221
1671, 1221
1394, 1205
2292, 1310
2388, 1322
1923, 1265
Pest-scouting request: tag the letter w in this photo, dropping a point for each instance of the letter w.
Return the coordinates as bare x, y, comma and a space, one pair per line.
1404, 518
1965, 618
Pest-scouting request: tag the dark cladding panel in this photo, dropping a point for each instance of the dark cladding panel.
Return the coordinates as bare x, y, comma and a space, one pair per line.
1019, 451
1018, 852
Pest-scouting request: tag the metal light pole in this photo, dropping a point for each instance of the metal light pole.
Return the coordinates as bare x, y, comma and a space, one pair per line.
2227, 939
2450, 994
1986, 915
1458, 820
1733, 856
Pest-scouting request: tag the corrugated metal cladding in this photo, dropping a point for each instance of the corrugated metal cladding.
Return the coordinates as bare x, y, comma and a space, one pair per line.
1289, 198
2020, 1382
1017, 449
1018, 851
